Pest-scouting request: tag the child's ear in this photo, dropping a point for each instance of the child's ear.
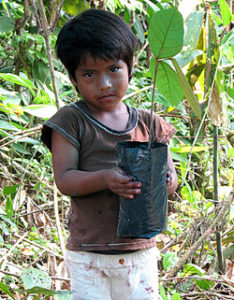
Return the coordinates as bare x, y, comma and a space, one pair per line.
73, 81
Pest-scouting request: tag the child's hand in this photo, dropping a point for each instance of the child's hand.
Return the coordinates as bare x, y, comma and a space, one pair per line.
121, 184
169, 177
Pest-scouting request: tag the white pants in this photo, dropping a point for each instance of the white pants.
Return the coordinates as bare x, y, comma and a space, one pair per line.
132, 276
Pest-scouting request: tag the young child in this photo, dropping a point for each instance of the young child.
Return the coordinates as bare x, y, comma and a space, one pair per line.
97, 49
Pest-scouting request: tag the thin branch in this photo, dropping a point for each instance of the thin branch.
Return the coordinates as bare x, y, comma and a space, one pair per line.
57, 16
152, 103
20, 137
137, 92
209, 278
46, 35
36, 16
58, 225
193, 294
40, 247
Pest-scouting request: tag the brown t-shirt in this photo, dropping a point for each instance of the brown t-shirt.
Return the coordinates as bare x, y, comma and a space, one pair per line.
93, 218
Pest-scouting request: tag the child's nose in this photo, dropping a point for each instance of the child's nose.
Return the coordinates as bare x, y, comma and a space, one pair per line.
104, 82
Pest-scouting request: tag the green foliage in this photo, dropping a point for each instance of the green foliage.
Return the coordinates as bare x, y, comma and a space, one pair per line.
6, 24
166, 33
192, 60
6, 290
32, 277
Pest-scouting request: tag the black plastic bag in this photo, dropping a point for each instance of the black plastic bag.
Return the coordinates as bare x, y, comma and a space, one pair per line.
145, 216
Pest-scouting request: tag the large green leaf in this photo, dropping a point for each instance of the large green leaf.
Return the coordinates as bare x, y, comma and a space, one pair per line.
40, 110
41, 72
193, 25
139, 29
187, 89
32, 277
6, 24
167, 82
166, 33
184, 58
7, 126
225, 12
18, 80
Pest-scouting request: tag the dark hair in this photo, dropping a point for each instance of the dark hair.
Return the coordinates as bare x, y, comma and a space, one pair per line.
98, 33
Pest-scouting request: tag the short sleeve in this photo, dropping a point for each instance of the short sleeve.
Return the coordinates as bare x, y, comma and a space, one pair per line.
162, 130
63, 122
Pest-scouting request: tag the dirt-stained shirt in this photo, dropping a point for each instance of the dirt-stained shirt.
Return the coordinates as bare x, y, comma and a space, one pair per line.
93, 218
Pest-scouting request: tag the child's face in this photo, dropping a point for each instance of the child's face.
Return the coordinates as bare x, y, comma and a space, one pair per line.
102, 83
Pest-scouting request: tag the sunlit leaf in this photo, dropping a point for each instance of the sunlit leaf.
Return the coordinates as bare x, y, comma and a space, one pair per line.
32, 277
139, 29
193, 25
162, 293
5, 289
187, 89
40, 110
187, 149
225, 12
7, 126
192, 269
183, 58
176, 296
166, 33
73, 7
13, 78
204, 284
169, 260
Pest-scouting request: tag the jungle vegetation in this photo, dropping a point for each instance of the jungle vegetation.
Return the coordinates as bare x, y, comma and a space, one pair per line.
193, 91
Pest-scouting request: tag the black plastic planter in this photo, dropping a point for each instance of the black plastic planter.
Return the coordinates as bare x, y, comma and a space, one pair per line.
145, 216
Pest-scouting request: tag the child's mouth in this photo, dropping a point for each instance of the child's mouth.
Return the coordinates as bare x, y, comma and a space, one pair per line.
106, 98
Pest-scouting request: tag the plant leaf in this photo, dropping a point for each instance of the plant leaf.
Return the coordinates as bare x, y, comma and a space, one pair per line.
215, 108
64, 295
166, 33
6, 290
204, 284
7, 126
169, 259
40, 110
193, 25
225, 12
6, 24
32, 277
192, 269
183, 59
18, 80
167, 82
187, 89
176, 296
139, 29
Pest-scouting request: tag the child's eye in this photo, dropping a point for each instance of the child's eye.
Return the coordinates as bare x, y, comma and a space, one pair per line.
88, 74
114, 69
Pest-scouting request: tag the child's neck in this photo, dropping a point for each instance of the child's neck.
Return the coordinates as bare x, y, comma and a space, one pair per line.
116, 119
